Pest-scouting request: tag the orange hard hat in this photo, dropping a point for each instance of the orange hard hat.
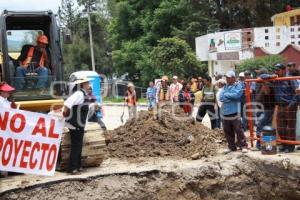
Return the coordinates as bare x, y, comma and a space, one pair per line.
42, 39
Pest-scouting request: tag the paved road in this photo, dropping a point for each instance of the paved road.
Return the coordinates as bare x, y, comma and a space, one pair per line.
112, 114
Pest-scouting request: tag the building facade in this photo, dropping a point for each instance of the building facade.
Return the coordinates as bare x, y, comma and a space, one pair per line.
224, 50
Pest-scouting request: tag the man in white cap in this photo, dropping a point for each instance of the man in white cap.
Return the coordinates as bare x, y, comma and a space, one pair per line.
230, 96
76, 109
175, 88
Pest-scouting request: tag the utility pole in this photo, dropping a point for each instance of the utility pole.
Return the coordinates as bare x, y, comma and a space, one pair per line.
91, 36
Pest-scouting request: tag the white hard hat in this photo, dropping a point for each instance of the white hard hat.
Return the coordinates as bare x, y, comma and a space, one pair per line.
175, 77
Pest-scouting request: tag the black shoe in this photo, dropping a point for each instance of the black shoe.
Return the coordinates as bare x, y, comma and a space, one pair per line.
81, 169
282, 148
291, 148
74, 172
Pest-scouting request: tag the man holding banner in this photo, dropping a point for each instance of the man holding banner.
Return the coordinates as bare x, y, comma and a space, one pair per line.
5, 91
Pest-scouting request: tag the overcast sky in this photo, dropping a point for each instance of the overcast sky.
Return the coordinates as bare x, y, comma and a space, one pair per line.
30, 5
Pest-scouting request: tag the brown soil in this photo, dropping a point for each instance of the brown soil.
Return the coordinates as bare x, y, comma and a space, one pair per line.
237, 179
164, 134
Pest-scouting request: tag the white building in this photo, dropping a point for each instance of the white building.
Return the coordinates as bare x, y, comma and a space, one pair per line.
223, 50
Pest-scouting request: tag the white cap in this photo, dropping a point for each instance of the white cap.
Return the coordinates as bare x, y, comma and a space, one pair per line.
242, 74
175, 77
230, 74
221, 81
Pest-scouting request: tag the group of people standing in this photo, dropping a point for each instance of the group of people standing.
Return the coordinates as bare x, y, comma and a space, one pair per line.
225, 102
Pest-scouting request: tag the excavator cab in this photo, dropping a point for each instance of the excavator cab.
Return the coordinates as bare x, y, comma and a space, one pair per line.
36, 90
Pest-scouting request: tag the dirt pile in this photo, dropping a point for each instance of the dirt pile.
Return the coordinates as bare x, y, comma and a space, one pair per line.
164, 134
225, 179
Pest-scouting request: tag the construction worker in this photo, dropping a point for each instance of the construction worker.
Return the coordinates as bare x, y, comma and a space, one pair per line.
130, 98
76, 109
36, 60
175, 88
5, 92
162, 90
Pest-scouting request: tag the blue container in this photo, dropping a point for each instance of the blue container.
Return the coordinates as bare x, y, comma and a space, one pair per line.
96, 87
268, 141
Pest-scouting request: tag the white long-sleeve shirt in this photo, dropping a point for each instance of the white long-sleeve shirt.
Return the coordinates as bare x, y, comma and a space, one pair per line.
4, 102
174, 91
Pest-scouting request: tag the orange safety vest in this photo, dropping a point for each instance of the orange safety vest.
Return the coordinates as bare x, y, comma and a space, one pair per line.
29, 58
164, 94
131, 98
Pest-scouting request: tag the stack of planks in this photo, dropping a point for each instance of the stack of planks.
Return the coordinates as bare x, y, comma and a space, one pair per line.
93, 147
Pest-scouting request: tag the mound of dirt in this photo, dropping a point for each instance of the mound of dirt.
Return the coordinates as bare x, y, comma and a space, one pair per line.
162, 135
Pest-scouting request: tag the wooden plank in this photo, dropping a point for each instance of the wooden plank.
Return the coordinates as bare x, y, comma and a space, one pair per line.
93, 147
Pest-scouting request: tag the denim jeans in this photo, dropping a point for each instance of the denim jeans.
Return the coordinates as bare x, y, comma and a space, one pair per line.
42, 73
264, 119
151, 103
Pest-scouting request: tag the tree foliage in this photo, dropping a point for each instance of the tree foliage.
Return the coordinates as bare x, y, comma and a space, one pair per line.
173, 56
261, 62
149, 38
233, 14
138, 27
77, 55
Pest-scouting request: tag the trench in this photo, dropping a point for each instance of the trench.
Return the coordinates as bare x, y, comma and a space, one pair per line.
233, 178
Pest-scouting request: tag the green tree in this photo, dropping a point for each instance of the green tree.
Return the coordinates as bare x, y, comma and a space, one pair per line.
138, 26
256, 63
67, 14
173, 56
77, 55
233, 14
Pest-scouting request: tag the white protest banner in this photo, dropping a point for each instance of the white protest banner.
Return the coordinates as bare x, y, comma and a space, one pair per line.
29, 142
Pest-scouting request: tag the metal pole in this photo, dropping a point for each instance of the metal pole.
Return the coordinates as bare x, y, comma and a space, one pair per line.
91, 39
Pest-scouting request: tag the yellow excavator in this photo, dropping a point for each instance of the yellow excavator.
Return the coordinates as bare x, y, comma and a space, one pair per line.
19, 29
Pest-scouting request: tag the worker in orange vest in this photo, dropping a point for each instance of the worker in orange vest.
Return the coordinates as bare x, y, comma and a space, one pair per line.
130, 98
36, 62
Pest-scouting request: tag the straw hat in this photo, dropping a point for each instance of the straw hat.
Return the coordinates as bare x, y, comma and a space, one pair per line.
130, 85
81, 80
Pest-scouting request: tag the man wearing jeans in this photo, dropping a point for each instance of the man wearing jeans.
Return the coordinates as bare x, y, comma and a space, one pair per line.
231, 99
36, 61
265, 99
285, 92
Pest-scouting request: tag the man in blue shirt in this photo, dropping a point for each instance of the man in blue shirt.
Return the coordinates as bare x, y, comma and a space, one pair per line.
231, 108
151, 96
